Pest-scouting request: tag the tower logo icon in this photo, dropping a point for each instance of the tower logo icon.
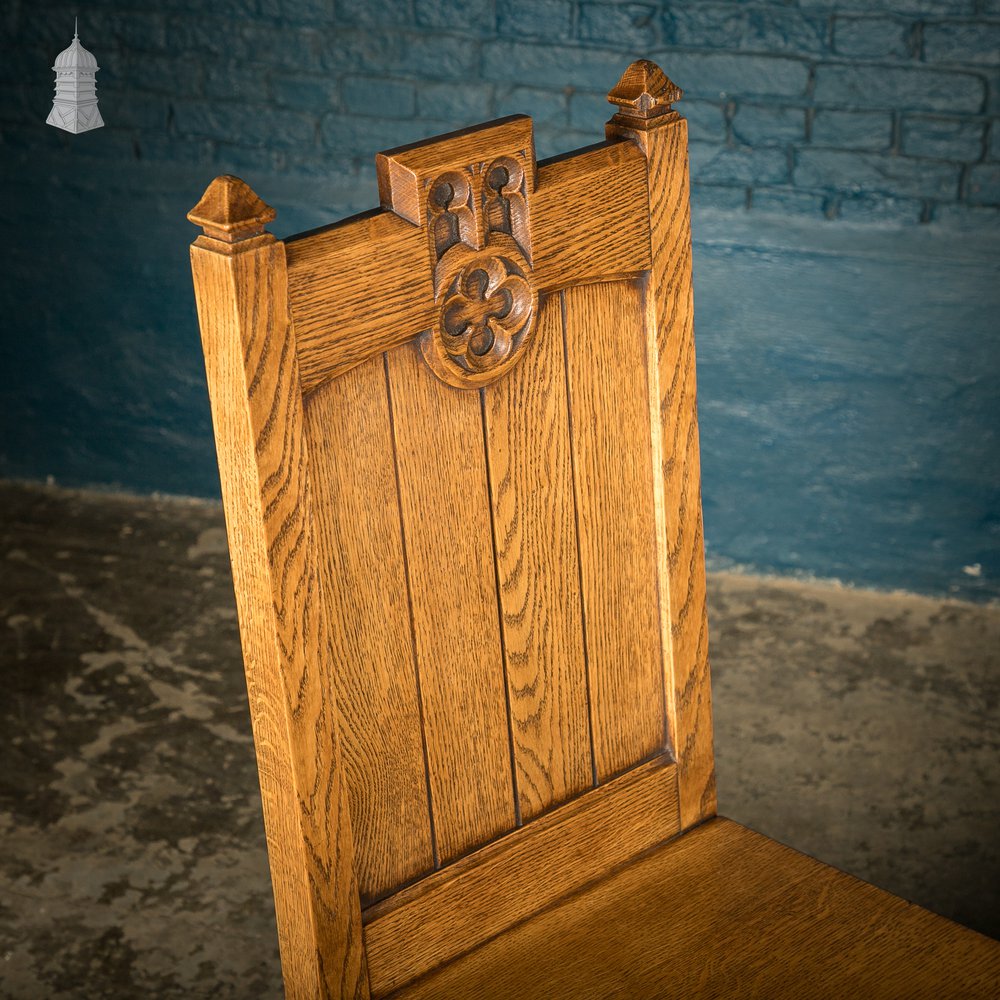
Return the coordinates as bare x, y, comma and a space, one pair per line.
75, 106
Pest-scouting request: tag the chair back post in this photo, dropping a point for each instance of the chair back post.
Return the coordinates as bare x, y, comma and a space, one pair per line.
459, 458
644, 97
240, 280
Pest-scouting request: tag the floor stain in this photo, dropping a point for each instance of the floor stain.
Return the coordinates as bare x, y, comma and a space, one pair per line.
858, 727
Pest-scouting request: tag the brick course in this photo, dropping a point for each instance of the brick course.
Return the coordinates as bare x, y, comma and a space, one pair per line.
710, 164
719, 75
768, 125
884, 107
984, 184
874, 37
548, 19
733, 26
852, 129
944, 138
916, 88
972, 42
381, 98
883, 173
628, 24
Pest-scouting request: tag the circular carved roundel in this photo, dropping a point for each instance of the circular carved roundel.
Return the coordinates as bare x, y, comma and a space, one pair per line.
485, 317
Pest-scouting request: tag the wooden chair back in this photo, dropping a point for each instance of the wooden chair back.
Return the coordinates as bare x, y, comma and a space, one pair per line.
459, 457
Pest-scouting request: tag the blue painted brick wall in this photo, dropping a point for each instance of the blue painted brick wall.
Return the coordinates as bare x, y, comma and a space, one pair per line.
915, 81
822, 113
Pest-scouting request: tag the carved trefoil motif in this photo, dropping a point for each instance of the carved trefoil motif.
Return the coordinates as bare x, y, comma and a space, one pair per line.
480, 246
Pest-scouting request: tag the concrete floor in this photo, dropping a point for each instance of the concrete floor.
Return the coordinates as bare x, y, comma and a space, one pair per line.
857, 726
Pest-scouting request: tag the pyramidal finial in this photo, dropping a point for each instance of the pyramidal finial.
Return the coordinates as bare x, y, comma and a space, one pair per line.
644, 91
231, 211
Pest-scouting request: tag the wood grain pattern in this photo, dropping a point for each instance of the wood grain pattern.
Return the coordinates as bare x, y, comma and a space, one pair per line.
613, 473
355, 290
724, 912
231, 212
674, 422
404, 173
349, 438
257, 412
364, 286
463, 906
446, 525
539, 581
460, 608
584, 223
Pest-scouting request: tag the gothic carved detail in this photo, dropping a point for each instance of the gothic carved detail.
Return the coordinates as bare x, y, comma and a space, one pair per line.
451, 212
505, 200
480, 246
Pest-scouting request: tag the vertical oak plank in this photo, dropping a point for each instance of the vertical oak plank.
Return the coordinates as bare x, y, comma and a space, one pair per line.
349, 438
446, 525
606, 374
539, 581
662, 136
257, 413
671, 295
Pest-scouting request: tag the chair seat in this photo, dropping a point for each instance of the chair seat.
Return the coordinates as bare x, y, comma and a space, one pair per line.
725, 912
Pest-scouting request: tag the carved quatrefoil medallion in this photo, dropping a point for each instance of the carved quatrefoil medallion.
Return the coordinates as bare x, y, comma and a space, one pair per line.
485, 316
480, 246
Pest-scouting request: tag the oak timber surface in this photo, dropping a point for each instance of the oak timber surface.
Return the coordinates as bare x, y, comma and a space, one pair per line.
358, 287
725, 912
360, 550
253, 375
671, 353
445, 501
482, 895
538, 577
612, 469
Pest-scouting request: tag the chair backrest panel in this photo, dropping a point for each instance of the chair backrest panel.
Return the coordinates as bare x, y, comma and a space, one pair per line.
446, 520
528, 448
458, 448
489, 567
609, 404
348, 431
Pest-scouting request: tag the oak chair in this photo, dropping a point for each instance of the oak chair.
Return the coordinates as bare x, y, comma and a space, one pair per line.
459, 455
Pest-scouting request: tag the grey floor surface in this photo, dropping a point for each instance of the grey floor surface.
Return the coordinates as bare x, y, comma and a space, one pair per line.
859, 727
